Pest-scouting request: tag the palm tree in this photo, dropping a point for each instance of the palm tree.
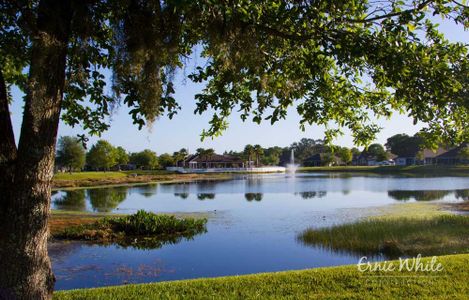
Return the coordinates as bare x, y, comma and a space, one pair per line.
249, 152
258, 151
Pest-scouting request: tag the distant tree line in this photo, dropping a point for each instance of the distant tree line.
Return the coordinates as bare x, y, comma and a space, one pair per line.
72, 156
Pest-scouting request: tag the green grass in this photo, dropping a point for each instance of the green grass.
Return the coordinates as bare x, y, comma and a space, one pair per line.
106, 175
143, 230
344, 282
462, 170
437, 235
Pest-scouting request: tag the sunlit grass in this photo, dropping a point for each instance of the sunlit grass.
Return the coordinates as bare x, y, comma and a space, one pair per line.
442, 234
323, 283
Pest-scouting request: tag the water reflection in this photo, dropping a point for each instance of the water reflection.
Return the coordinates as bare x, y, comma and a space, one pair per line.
419, 195
312, 194
253, 196
206, 196
72, 200
182, 195
107, 199
147, 190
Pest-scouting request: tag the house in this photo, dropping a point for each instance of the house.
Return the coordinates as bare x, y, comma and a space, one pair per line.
453, 156
429, 156
197, 161
322, 159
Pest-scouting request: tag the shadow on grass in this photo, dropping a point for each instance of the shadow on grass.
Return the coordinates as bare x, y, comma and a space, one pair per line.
394, 237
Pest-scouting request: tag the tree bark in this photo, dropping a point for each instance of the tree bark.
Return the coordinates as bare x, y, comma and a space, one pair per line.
24, 263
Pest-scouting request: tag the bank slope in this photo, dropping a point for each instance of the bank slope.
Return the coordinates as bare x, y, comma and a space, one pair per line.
344, 282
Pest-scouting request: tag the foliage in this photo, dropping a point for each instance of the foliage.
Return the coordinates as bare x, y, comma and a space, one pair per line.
343, 282
345, 155
271, 156
145, 159
166, 160
393, 237
102, 155
144, 230
122, 157
180, 155
404, 145
377, 151
205, 154
258, 152
70, 153
106, 199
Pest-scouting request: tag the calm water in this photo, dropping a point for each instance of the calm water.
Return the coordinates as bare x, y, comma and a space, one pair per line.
253, 224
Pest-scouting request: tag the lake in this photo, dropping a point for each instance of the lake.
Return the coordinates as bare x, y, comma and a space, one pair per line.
253, 224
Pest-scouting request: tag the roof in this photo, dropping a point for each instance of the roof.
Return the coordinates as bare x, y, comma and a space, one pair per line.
429, 153
213, 158
453, 153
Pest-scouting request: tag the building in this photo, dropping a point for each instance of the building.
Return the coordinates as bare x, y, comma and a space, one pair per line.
441, 156
197, 161
453, 156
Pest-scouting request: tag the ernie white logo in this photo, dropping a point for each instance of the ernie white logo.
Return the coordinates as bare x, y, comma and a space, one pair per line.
414, 264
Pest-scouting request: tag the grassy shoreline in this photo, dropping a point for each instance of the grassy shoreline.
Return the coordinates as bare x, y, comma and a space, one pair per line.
119, 178
344, 282
411, 170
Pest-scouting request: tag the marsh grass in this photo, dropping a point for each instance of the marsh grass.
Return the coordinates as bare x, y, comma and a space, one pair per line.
393, 237
143, 230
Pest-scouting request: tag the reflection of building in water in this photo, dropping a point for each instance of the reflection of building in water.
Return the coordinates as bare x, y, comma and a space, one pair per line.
312, 194
253, 196
205, 196
107, 199
419, 195
72, 200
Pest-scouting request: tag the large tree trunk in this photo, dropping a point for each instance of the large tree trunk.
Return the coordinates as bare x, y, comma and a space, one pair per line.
24, 207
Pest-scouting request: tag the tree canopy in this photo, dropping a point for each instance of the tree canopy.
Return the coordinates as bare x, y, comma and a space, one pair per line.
338, 62
70, 153
102, 155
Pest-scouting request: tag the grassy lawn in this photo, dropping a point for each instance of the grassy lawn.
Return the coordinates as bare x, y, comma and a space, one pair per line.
92, 179
344, 282
431, 170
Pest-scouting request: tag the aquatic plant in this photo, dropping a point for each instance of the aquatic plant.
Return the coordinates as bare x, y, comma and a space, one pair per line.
393, 237
144, 230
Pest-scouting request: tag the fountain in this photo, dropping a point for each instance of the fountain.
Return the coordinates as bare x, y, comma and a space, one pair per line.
292, 167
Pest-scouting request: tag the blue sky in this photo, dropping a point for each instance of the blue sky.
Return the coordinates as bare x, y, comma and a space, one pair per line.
183, 131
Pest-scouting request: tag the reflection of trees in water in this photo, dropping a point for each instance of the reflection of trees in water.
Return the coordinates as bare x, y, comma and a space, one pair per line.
418, 195
182, 195
206, 196
72, 200
146, 190
253, 196
105, 200
462, 194
312, 194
